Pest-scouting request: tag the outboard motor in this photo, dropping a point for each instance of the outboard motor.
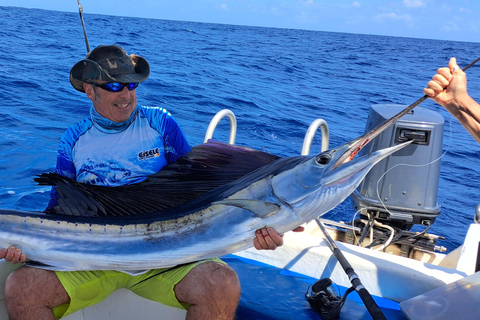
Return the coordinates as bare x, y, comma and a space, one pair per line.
401, 190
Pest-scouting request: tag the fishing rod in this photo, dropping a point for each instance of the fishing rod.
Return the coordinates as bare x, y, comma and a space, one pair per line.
367, 299
80, 11
367, 137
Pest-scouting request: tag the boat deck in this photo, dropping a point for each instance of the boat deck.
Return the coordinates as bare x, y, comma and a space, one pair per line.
273, 293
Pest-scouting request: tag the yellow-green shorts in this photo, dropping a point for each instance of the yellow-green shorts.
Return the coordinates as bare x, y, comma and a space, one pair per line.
87, 288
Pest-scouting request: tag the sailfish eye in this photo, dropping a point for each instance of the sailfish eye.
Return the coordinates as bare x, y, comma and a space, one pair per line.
324, 158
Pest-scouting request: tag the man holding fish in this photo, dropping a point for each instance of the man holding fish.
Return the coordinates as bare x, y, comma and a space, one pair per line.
209, 288
121, 143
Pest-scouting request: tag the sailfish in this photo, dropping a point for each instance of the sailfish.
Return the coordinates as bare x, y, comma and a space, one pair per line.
207, 204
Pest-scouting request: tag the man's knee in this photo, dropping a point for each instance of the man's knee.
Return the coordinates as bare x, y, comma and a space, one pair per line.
209, 281
218, 280
35, 287
226, 277
18, 283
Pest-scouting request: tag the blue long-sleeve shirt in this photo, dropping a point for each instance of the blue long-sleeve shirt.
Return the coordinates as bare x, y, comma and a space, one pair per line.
99, 151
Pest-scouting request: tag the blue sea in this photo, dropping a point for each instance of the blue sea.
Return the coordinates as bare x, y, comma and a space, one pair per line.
276, 81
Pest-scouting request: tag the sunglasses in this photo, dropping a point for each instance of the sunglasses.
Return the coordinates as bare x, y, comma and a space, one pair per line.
115, 86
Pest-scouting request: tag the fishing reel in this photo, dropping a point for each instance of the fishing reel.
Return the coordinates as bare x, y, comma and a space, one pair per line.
324, 299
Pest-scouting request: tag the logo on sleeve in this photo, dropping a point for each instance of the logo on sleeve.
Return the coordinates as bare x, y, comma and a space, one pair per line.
147, 154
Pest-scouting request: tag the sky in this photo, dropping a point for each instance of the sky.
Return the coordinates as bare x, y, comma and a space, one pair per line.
457, 20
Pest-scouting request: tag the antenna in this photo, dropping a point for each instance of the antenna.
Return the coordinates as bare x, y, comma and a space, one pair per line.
80, 10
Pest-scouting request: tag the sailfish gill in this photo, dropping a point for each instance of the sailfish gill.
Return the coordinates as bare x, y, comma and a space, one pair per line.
207, 204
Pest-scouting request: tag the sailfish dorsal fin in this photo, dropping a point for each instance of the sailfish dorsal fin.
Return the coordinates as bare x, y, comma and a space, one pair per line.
204, 168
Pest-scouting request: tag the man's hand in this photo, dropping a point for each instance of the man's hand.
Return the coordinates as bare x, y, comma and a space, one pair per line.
13, 255
269, 239
448, 86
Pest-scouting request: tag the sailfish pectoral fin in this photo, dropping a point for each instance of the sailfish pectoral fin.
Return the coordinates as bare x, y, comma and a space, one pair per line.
262, 209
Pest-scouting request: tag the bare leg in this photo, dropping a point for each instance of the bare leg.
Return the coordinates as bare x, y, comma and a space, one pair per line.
212, 290
32, 293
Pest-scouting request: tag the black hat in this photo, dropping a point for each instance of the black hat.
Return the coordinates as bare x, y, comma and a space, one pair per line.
109, 63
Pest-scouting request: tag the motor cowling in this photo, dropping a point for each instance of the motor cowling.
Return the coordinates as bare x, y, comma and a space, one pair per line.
401, 190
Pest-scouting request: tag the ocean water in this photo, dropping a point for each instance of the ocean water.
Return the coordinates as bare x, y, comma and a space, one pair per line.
276, 81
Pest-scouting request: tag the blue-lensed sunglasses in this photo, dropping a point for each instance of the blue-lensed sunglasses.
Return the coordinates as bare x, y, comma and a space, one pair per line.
115, 86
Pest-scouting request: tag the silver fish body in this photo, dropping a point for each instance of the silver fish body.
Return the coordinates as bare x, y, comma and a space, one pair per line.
283, 195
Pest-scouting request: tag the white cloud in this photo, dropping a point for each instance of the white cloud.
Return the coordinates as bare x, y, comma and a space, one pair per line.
356, 4
414, 3
394, 16
474, 28
276, 11
451, 26
222, 6
307, 2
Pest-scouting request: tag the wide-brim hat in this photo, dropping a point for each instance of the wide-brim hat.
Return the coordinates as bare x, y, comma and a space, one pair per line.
109, 63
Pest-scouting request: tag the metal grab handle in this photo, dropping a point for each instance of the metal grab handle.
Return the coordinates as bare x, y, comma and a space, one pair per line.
307, 141
476, 217
216, 119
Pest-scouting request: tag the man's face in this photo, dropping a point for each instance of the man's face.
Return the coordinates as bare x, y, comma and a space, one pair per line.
115, 106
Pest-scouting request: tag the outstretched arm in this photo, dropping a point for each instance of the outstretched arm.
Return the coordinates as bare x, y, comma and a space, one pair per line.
448, 88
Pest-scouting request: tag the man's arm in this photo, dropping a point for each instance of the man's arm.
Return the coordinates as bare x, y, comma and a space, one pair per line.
174, 140
448, 88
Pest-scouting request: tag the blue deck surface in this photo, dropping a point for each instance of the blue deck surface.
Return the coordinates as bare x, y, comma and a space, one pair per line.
272, 293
